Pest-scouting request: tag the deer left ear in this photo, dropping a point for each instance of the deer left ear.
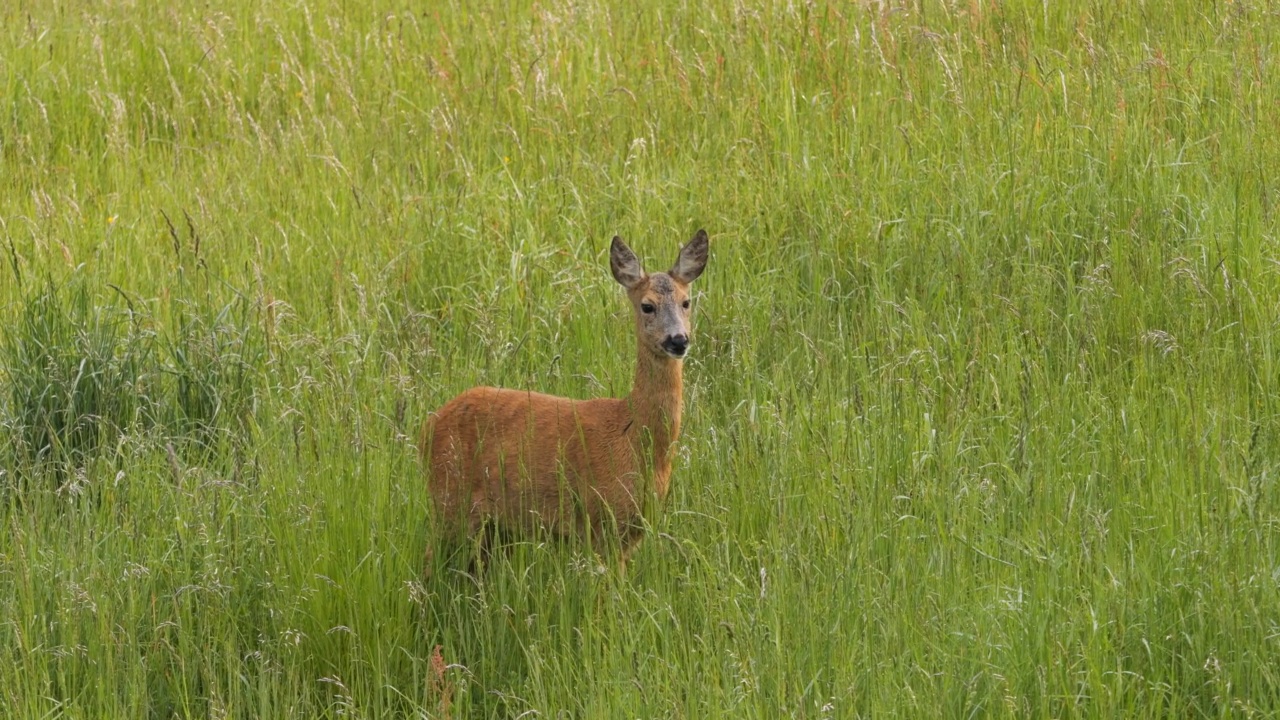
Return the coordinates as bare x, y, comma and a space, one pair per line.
692, 259
624, 264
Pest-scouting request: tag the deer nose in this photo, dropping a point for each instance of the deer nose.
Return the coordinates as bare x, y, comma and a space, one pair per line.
676, 344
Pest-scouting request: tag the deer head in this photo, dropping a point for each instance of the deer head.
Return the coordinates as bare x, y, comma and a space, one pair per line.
661, 300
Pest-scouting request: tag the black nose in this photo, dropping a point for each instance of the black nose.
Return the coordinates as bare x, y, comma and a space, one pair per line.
676, 344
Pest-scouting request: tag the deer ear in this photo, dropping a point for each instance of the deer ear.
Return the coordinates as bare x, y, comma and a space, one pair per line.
692, 259
624, 264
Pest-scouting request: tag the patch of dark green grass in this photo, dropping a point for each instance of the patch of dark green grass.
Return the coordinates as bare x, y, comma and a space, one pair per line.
213, 361
82, 371
79, 374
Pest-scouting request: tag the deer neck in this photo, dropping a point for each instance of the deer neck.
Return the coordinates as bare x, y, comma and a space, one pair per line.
656, 400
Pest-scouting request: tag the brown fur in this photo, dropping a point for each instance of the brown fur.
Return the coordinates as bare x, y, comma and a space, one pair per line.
525, 461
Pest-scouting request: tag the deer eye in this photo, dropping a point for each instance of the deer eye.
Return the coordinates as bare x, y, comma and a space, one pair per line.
685, 304
646, 308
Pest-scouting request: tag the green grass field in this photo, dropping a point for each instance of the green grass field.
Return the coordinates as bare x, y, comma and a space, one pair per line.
982, 412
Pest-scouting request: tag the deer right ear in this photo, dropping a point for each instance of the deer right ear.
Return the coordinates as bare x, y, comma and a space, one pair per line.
692, 259
624, 263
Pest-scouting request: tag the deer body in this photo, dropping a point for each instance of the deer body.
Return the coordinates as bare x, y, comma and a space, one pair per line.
525, 461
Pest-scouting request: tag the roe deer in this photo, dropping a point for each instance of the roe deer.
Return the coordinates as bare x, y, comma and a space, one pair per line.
521, 461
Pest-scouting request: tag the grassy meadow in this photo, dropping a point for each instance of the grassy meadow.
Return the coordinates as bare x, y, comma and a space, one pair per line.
982, 410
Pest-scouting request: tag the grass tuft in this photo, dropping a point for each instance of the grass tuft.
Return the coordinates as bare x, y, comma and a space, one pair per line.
213, 360
79, 376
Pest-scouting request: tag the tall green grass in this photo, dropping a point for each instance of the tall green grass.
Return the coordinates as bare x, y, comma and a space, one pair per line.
983, 415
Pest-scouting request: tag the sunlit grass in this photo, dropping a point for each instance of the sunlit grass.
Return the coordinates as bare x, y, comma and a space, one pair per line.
982, 409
